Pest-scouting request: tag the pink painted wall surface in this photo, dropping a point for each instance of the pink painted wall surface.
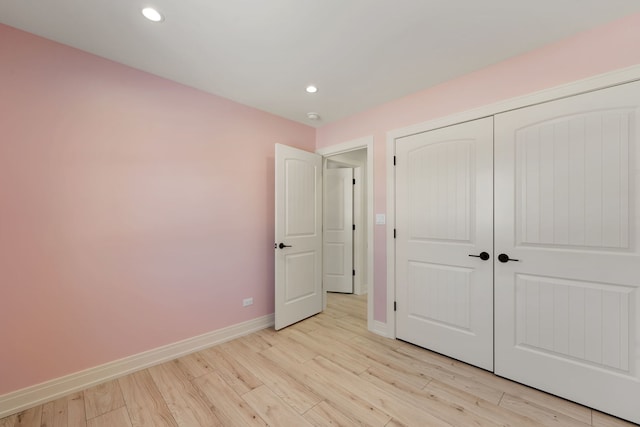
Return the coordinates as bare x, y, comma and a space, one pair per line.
134, 212
613, 46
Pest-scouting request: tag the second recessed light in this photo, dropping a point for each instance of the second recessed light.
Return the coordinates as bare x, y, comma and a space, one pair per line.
312, 89
152, 15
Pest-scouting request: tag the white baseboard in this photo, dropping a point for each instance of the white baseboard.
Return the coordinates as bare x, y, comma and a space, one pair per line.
361, 289
19, 400
380, 328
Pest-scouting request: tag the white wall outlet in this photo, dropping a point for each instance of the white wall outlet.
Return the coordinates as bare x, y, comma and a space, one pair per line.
247, 302
381, 219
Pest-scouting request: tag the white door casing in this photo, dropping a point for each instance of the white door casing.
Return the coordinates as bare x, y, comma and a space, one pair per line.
337, 230
444, 205
359, 234
367, 144
567, 206
298, 224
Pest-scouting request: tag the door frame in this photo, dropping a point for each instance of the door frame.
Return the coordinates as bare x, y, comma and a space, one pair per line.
359, 248
345, 147
601, 81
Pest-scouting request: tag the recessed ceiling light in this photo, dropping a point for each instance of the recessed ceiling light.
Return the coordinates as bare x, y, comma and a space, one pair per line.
313, 116
152, 15
312, 89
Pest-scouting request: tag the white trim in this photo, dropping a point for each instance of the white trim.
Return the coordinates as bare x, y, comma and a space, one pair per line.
612, 78
357, 144
601, 81
380, 328
391, 243
40, 393
359, 285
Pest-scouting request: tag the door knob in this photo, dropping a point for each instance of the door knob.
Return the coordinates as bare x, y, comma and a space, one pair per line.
505, 258
483, 256
282, 246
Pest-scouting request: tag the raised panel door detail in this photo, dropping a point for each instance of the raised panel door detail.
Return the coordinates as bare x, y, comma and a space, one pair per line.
298, 235
573, 181
582, 321
300, 202
440, 294
334, 256
567, 198
444, 213
338, 232
441, 190
298, 267
334, 196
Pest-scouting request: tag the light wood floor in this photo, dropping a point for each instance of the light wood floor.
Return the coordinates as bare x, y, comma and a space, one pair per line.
325, 371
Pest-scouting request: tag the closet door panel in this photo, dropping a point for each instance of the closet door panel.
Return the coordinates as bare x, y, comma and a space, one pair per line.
567, 203
444, 208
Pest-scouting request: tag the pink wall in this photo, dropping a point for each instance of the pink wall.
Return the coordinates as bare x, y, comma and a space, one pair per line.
134, 212
607, 48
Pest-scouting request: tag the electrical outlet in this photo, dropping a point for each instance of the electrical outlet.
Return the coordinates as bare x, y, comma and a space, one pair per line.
247, 302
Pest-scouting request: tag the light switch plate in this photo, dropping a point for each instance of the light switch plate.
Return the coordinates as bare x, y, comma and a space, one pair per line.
381, 219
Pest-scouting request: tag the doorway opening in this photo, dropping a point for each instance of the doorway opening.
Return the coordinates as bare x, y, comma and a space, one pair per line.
345, 223
351, 159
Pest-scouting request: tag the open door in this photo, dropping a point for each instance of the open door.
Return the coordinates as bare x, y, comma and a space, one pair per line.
298, 234
338, 230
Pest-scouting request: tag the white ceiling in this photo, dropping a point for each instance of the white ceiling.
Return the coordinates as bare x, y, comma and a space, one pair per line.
263, 53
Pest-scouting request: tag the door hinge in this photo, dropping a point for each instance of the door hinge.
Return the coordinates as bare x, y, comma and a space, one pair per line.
394, 233
354, 272
395, 306
354, 227
354, 181
394, 160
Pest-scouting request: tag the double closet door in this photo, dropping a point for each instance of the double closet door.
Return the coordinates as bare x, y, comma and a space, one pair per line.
444, 214
517, 245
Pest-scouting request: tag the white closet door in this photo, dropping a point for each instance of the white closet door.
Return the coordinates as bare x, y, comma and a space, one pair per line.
444, 205
567, 211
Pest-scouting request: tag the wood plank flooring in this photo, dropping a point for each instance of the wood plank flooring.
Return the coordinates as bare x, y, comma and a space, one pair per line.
325, 371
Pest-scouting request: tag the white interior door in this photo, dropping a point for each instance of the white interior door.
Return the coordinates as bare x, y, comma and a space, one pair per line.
567, 206
298, 233
444, 221
338, 230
